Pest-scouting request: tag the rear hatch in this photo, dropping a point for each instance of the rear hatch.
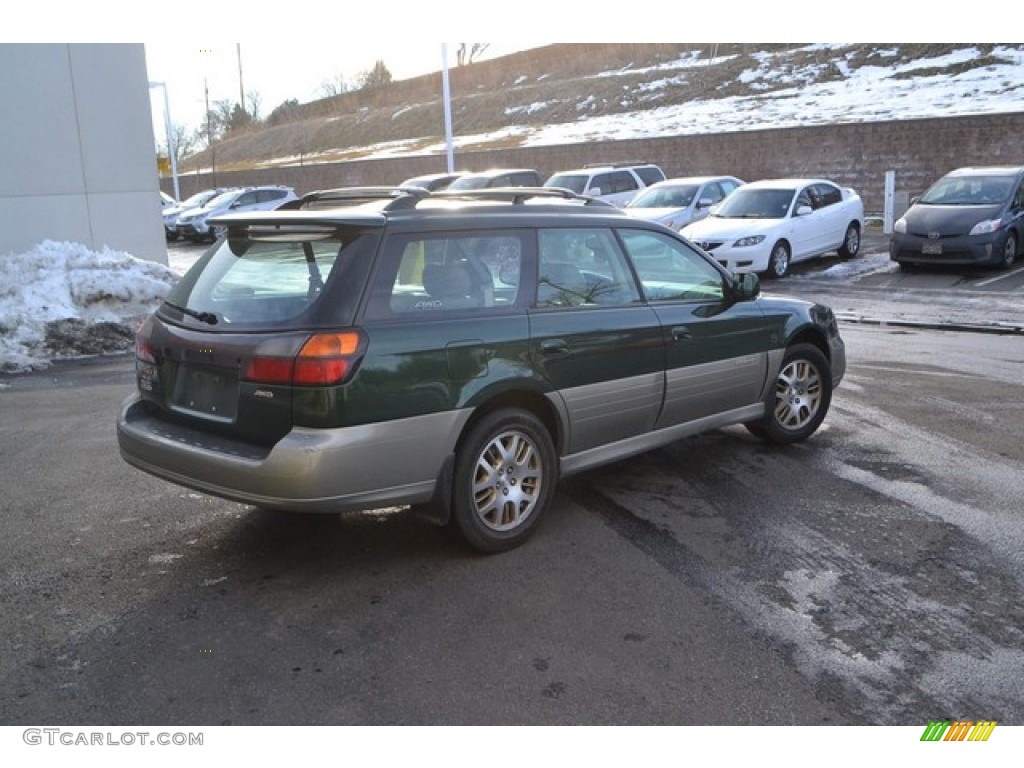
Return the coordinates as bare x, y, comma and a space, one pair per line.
258, 332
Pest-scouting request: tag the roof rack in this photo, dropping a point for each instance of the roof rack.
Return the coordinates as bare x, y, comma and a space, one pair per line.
407, 198
516, 195
615, 165
401, 197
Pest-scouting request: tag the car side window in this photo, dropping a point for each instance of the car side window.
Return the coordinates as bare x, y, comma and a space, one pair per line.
1018, 199
582, 267
671, 270
427, 274
713, 192
805, 198
728, 187
828, 195
650, 174
266, 195
247, 198
623, 181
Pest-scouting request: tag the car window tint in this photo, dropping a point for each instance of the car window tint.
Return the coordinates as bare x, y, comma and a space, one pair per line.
650, 174
713, 192
828, 194
671, 270
623, 181
582, 267
447, 272
248, 198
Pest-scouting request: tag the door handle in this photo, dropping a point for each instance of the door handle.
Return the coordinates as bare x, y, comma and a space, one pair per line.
554, 347
681, 332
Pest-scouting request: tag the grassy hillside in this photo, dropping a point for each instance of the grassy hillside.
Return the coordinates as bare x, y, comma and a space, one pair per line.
555, 84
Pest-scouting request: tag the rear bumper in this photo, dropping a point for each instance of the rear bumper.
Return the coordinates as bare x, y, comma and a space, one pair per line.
309, 470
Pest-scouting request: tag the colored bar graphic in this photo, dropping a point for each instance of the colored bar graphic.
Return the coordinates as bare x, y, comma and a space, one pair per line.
982, 730
958, 730
935, 730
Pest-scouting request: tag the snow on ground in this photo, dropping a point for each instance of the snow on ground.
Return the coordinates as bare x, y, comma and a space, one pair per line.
62, 300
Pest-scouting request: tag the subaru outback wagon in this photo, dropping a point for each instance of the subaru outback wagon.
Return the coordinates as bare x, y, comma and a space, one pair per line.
457, 352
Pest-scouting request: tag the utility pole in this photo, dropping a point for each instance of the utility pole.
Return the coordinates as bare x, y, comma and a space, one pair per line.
209, 133
241, 90
447, 98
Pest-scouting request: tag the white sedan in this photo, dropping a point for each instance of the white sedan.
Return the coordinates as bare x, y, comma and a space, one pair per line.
767, 225
678, 202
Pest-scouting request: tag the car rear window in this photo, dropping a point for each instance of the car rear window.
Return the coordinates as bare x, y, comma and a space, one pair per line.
253, 283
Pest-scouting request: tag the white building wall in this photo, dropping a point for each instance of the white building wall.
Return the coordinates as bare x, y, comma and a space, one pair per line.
77, 149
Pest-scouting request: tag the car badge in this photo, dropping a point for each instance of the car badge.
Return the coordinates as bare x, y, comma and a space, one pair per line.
934, 235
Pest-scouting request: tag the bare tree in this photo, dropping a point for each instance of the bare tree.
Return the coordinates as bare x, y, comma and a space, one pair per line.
466, 53
255, 102
335, 86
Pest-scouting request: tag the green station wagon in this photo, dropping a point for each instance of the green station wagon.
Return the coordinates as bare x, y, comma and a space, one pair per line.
457, 352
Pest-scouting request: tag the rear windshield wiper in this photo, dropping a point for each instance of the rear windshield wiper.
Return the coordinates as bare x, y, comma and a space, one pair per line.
206, 317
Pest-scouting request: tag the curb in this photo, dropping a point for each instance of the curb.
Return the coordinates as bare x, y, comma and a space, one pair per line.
1002, 329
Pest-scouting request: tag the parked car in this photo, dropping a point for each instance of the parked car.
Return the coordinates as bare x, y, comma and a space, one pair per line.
767, 225
458, 356
616, 184
195, 224
678, 202
969, 216
198, 200
496, 177
432, 182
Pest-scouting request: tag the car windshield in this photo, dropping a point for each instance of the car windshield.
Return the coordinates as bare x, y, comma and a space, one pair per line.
664, 197
469, 182
576, 182
198, 198
756, 204
221, 200
969, 190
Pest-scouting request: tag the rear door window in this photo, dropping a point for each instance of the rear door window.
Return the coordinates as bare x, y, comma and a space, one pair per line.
582, 267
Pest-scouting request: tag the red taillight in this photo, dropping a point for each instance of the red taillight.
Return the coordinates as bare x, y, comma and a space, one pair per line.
325, 358
269, 370
143, 349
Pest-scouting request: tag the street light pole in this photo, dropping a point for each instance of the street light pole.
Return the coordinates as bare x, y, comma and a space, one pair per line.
447, 97
172, 150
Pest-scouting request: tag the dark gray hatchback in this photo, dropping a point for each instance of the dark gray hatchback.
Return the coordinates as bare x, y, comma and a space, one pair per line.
457, 352
969, 216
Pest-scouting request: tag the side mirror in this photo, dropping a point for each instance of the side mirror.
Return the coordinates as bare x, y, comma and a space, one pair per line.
803, 210
705, 202
595, 191
747, 286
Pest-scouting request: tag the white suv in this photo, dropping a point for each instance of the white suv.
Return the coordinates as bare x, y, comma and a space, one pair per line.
617, 184
193, 224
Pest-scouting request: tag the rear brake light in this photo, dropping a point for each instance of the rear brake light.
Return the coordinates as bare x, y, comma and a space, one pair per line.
325, 358
143, 349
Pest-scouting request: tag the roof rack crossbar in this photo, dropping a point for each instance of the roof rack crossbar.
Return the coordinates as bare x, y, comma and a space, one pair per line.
401, 197
614, 165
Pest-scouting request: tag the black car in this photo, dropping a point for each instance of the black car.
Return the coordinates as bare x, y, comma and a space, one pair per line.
969, 216
457, 352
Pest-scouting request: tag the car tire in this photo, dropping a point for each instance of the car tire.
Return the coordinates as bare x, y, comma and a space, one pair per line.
1009, 255
798, 399
851, 242
778, 261
504, 479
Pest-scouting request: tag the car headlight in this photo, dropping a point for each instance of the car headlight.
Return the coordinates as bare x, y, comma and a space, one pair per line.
986, 227
743, 242
900, 226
